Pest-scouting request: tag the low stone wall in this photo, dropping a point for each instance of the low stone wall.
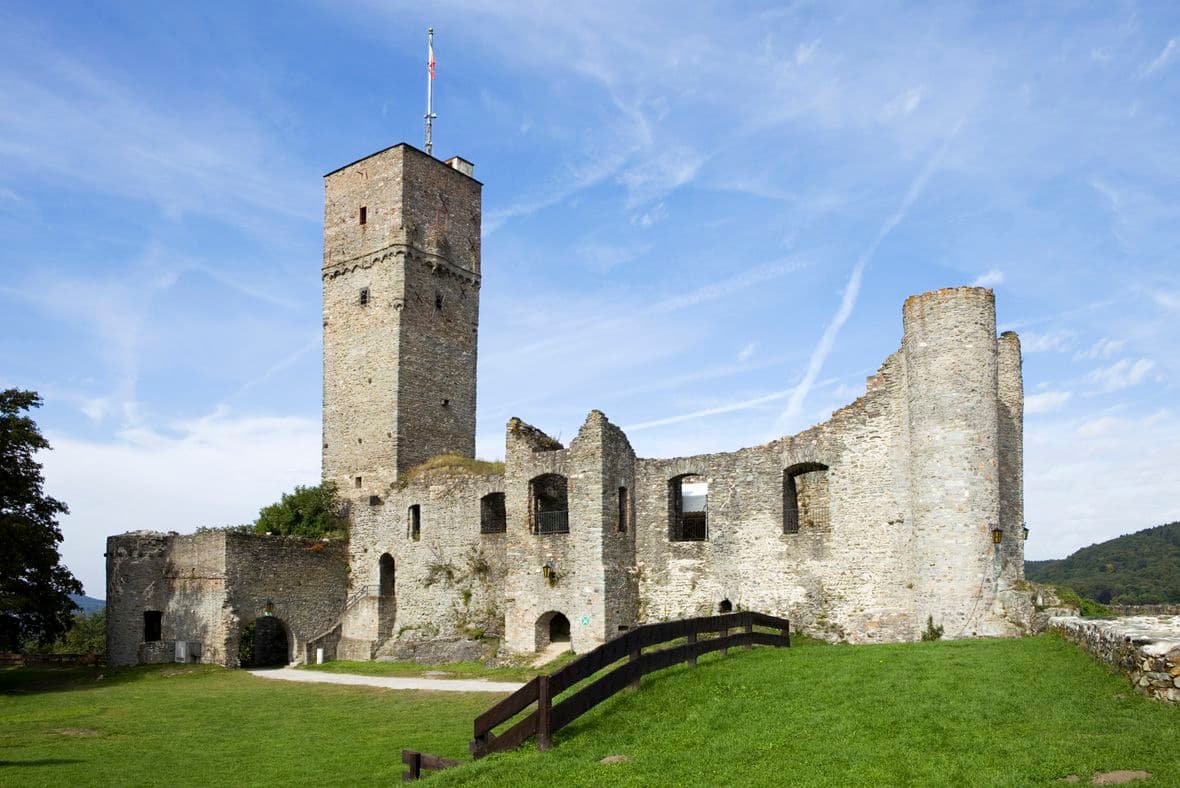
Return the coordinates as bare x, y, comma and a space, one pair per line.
1146, 610
1146, 648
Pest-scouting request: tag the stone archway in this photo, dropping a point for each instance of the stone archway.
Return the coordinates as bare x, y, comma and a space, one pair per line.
552, 627
272, 643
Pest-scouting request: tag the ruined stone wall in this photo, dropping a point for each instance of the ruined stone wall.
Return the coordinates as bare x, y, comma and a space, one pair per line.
399, 360
206, 585
447, 584
1144, 648
579, 590
1010, 418
182, 577
300, 582
843, 575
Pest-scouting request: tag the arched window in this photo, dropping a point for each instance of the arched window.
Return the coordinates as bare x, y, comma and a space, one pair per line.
414, 524
805, 497
725, 606
493, 519
386, 575
688, 508
549, 504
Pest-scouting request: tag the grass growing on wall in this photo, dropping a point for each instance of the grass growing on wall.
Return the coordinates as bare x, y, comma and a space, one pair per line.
1010, 712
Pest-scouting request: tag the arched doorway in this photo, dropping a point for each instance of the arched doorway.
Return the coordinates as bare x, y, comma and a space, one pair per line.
386, 595
552, 627
271, 644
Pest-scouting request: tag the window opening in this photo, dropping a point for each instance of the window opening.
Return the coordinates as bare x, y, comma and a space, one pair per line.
364, 217
624, 509
364, 296
438, 300
386, 575
688, 509
415, 526
805, 497
152, 625
549, 504
493, 517
725, 607
358, 482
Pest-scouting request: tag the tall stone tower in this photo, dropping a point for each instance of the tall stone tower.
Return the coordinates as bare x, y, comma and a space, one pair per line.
401, 312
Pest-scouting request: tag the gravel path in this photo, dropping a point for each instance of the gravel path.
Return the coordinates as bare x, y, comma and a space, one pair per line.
389, 682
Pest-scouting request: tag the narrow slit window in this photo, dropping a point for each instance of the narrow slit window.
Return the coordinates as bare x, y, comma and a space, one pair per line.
415, 524
364, 215
624, 509
438, 300
358, 482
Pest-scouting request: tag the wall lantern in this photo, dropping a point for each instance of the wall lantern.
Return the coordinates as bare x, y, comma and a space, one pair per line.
549, 572
997, 536
270, 608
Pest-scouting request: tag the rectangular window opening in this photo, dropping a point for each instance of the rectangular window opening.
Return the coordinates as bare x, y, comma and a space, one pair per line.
359, 481
152, 625
364, 217
415, 524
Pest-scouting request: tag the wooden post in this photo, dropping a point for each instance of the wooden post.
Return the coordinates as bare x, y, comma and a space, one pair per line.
749, 631
725, 634
787, 634
544, 714
415, 767
692, 640
635, 652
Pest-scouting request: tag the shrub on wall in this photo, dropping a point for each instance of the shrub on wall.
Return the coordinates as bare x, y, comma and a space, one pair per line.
308, 511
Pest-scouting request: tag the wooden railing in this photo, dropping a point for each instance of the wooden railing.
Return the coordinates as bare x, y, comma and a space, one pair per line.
549, 717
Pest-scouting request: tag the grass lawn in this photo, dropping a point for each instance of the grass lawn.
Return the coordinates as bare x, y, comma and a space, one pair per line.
200, 725
1009, 712
1000, 712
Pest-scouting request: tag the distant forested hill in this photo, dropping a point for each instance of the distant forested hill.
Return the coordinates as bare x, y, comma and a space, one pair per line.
88, 604
1142, 568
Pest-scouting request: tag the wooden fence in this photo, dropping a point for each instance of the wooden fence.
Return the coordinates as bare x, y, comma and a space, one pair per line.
733, 630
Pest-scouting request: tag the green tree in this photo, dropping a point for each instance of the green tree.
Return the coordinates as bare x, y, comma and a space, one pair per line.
86, 635
35, 588
309, 511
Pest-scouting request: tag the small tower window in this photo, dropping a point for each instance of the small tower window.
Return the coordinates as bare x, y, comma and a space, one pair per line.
364, 217
364, 296
152, 627
358, 482
415, 524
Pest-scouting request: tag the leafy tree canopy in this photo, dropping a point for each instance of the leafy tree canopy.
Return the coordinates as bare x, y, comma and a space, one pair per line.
309, 511
35, 588
1142, 568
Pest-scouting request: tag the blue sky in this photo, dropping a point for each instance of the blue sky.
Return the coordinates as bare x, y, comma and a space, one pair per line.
700, 218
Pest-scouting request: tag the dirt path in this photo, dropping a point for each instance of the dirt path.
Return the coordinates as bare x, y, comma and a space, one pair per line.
389, 682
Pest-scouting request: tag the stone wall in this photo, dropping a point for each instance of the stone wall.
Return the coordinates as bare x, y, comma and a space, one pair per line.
448, 583
1145, 648
400, 316
206, 585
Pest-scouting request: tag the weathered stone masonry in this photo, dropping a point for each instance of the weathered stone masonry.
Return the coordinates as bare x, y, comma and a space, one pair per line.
906, 505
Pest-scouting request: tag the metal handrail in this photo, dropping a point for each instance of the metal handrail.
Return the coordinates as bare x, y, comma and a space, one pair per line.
553, 522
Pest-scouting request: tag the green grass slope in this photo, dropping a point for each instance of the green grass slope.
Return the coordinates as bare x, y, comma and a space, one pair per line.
199, 725
1004, 712
1011, 712
1136, 569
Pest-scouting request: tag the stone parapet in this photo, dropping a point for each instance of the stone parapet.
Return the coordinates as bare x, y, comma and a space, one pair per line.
1146, 648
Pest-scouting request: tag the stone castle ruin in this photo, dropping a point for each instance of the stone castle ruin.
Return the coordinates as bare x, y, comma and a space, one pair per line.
903, 507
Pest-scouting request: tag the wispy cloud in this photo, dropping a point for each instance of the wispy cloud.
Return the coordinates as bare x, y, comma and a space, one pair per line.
852, 288
989, 279
1046, 401
747, 352
1120, 375
1103, 348
1059, 339
1164, 58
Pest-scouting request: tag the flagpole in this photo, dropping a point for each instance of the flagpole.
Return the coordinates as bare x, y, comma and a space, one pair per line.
430, 116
